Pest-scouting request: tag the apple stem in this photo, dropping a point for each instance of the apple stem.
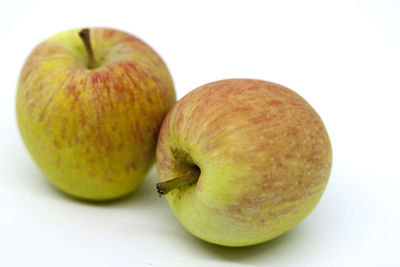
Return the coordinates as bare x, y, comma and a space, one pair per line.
85, 36
189, 178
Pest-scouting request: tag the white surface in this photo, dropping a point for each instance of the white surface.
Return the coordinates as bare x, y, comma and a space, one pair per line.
343, 57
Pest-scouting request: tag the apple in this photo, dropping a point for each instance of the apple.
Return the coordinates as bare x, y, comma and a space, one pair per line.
89, 107
242, 161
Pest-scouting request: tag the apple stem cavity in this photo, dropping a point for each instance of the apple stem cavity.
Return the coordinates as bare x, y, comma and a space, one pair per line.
84, 34
189, 178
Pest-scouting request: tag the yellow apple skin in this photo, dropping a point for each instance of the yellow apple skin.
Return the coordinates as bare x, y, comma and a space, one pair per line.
264, 155
93, 132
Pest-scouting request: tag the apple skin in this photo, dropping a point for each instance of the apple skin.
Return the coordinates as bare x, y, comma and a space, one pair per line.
93, 132
264, 157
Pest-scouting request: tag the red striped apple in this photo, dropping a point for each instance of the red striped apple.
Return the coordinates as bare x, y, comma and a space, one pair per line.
89, 108
242, 161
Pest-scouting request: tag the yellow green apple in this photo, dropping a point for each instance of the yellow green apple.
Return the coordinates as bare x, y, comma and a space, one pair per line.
89, 105
242, 161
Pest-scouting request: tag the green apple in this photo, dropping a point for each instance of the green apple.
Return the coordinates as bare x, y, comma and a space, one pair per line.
89, 107
242, 161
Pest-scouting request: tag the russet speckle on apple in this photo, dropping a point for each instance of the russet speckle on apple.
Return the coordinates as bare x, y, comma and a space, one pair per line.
242, 161
89, 104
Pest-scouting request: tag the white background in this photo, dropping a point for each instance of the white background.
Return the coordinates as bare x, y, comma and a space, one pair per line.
343, 57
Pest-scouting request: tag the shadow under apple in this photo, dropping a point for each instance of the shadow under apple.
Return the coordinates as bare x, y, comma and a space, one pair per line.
144, 195
249, 254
